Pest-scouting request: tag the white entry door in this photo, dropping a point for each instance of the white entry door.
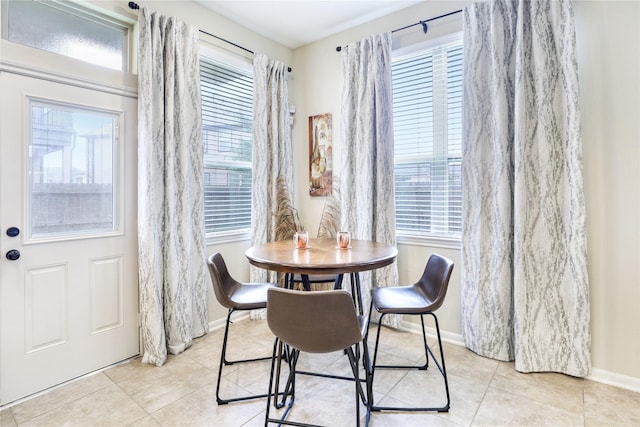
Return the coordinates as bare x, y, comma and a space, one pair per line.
68, 265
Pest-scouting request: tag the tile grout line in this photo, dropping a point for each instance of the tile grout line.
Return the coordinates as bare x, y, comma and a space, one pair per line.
484, 394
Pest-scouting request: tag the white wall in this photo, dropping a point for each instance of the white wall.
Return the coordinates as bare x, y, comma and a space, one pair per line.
608, 35
204, 19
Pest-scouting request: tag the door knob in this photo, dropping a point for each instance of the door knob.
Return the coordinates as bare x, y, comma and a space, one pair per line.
13, 254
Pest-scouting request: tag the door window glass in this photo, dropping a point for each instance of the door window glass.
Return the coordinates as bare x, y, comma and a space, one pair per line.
72, 164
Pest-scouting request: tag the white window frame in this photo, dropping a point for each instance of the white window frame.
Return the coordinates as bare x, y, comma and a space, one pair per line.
236, 62
431, 239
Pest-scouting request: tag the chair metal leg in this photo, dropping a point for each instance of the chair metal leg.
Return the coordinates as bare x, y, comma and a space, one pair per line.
355, 292
338, 282
290, 388
306, 284
293, 356
290, 356
356, 376
276, 358
443, 369
428, 352
353, 361
224, 361
366, 363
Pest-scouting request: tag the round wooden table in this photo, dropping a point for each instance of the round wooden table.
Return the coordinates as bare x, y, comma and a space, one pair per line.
322, 256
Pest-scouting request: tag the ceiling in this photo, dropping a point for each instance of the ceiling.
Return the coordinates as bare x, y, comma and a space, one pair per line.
294, 23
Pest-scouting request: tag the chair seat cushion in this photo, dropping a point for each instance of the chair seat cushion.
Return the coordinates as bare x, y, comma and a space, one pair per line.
250, 296
400, 300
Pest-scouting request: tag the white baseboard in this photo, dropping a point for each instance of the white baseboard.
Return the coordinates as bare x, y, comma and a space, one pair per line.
219, 323
617, 380
431, 332
597, 375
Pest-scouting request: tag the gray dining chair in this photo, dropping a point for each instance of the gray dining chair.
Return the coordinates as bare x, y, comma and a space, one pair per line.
234, 296
313, 322
420, 299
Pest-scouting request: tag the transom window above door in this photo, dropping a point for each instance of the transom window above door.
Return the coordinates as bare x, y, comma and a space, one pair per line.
69, 29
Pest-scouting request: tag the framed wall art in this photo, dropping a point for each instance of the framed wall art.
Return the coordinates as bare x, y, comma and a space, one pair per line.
320, 155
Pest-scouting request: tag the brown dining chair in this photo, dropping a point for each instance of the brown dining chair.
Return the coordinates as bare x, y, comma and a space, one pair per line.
313, 322
419, 299
234, 296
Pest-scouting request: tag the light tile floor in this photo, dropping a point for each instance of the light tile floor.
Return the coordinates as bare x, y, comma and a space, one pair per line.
182, 392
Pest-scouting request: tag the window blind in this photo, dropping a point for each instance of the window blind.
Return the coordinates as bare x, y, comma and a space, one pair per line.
427, 120
227, 125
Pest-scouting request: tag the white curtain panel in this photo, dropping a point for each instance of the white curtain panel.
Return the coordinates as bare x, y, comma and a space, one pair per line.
272, 152
367, 181
525, 291
172, 272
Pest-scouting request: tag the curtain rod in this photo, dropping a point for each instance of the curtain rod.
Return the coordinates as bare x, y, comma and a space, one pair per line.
425, 27
135, 6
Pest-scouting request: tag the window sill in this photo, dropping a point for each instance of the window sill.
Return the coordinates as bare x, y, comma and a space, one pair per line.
431, 241
227, 237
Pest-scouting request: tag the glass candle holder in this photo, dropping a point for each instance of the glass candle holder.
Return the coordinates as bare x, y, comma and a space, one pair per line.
301, 239
343, 239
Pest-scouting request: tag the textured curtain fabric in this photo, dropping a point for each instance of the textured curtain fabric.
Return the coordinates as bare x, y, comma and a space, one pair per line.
525, 289
272, 152
366, 188
172, 273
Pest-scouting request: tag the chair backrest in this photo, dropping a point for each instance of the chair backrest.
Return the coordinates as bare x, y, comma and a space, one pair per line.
435, 280
313, 322
223, 283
